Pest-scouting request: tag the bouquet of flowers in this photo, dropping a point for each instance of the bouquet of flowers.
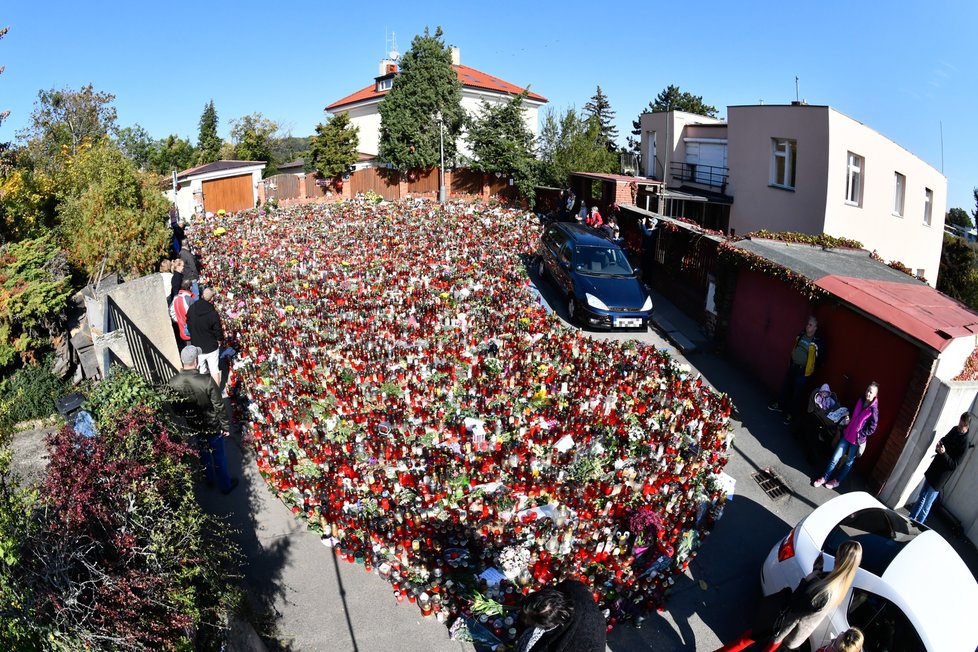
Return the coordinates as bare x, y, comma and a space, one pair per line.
513, 560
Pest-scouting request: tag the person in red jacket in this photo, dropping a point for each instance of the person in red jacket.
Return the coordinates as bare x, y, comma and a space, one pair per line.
594, 219
178, 312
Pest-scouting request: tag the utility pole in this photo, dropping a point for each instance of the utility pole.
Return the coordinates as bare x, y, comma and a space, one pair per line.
441, 149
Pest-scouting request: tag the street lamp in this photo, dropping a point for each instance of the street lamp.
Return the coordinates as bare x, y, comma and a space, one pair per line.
441, 150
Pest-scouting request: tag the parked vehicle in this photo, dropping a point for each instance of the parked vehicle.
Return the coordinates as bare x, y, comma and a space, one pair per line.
601, 287
912, 592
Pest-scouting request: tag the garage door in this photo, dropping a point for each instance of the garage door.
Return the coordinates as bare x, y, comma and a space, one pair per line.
231, 194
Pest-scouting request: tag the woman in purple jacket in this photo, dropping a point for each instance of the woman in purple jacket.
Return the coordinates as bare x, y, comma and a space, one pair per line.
862, 424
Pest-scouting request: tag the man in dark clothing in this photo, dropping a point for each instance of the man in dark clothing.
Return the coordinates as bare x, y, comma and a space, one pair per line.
191, 270
206, 333
562, 619
948, 453
801, 366
203, 408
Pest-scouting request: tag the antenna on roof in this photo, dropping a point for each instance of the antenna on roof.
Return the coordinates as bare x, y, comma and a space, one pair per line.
394, 54
797, 97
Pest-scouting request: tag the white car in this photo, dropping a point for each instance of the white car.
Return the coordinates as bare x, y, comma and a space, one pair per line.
912, 592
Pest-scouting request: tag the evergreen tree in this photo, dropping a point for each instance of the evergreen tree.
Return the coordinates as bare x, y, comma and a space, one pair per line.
599, 107
959, 217
501, 142
670, 99
958, 274
333, 150
426, 86
208, 142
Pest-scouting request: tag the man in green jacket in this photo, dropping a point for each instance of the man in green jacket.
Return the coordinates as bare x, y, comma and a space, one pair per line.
804, 357
203, 409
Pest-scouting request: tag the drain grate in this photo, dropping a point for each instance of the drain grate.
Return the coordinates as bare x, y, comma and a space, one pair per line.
772, 484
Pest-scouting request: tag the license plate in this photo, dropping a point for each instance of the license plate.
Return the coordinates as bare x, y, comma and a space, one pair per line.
628, 322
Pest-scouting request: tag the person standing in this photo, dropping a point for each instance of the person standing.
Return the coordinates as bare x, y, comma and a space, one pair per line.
563, 618
176, 278
811, 601
862, 424
191, 269
801, 366
947, 455
206, 333
178, 313
205, 414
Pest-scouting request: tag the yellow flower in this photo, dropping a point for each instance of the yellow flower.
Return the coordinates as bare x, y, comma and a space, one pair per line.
289, 308
220, 231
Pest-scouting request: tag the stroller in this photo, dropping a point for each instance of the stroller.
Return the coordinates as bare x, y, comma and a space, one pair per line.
823, 423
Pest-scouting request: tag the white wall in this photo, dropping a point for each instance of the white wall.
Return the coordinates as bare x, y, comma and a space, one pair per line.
669, 128
906, 239
366, 118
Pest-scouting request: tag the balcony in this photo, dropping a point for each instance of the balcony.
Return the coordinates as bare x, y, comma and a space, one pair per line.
705, 175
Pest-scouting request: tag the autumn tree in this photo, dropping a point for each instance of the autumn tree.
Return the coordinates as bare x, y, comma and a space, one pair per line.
63, 120
502, 142
208, 142
333, 150
670, 99
426, 87
599, 108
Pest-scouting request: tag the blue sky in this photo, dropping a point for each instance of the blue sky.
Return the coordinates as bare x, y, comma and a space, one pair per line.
904, 68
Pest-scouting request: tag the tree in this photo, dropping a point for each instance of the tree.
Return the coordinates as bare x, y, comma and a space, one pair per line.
572, 143
252, 135
426, 85
959, 217
501, 142
333, 150
63, 120
171, 153
208, 142
958, 274
288, 148
110, 210
136, 143
599, 107
670, 99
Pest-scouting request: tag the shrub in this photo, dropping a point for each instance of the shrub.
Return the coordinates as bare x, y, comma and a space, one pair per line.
30, 393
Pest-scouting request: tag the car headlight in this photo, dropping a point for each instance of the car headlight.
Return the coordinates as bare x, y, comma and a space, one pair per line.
647, 305
595, 302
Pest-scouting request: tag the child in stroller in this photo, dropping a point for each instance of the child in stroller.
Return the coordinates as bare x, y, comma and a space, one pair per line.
824, 420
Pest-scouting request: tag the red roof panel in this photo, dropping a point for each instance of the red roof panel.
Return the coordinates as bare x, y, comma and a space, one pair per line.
918, 310
468, 77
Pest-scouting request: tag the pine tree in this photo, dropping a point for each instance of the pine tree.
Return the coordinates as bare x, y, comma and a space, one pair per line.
426, 85
501, 142
333, 150
599, 107
208, 142
670, 99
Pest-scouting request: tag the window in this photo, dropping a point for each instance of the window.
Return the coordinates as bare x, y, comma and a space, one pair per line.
899, 192
928, 204
854, 180
385, 84
784, 154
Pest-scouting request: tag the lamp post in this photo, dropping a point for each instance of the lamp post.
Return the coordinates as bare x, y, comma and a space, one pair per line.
441, 150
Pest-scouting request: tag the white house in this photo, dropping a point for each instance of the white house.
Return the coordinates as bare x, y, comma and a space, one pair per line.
477, 87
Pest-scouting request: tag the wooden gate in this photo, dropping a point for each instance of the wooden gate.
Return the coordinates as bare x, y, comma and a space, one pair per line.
231, 194
382, 181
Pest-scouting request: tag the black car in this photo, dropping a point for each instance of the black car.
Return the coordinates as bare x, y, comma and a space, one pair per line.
601, 287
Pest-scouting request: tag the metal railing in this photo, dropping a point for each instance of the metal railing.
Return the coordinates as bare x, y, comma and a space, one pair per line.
707, 175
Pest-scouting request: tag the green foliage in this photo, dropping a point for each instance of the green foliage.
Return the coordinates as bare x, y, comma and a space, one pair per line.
208, 142
501, 142
171, 153
288, 148
30, 393
123, 389
27, 203
599, 108
958, 275
333, 150
252, 136
34, 290
111, 210
426, 85
16, 505
572, 143
64, 120
959, 217
822, 240
136, 144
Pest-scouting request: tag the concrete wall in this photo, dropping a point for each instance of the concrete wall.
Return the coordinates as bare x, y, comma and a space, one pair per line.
366, 118
874, 223
669, 128
757, 203
139, 321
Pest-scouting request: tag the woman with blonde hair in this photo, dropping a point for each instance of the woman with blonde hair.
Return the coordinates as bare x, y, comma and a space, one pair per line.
817, 595
850, 640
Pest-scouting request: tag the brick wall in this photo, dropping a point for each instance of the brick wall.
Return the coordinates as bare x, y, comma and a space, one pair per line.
922, 373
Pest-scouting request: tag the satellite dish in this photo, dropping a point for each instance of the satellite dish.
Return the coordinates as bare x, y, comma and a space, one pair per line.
394, 55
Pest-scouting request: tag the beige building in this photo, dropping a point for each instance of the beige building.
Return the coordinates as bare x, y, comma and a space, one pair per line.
802, 168
477, 88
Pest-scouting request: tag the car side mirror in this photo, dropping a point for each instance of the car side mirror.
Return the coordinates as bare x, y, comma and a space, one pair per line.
637, 271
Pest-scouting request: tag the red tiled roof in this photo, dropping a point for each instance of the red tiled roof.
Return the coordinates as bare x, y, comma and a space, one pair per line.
468, 77
916, 309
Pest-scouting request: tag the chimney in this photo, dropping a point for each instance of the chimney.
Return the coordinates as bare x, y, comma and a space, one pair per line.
456, 56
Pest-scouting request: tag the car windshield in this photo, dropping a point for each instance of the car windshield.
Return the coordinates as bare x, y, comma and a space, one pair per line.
601, 261
882, 532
